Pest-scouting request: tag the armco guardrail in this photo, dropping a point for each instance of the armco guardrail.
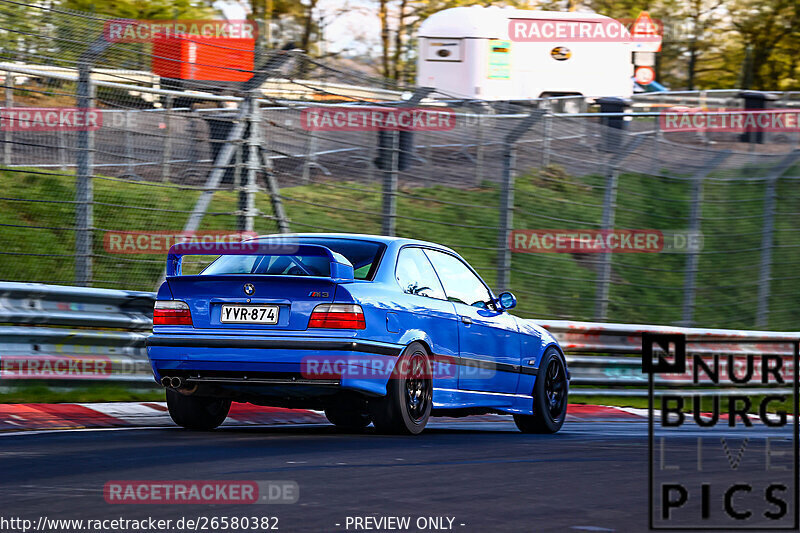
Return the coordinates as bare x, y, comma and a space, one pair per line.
73, 333
59, 332
609, 355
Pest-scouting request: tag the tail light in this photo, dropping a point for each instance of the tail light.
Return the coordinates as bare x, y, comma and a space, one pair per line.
337, 316
171, 313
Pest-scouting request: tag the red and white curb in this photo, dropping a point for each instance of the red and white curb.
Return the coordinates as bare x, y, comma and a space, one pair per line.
38, 416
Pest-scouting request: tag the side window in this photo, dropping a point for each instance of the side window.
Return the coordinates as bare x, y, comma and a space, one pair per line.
415, 274
460, 284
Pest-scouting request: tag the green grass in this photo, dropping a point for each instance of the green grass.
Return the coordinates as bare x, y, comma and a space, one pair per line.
46, 393
646, 288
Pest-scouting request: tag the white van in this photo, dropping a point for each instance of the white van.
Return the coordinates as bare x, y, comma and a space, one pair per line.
468, 52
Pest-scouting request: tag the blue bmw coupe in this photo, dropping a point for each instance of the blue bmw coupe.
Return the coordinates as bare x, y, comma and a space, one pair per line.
368, 329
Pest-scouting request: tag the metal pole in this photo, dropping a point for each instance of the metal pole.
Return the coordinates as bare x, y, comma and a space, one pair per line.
275, 197
237, 187
506, 217
609, 214
83, 190
695, 218
9, 102
765, 270
547, 127
655, 160
389, 217
607, 224
389, 213
311, 157
479, 152
250, 189
507, 199
129, 157
62, 149
167, 153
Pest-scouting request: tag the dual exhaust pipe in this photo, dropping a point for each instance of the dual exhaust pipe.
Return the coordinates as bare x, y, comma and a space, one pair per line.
172, 382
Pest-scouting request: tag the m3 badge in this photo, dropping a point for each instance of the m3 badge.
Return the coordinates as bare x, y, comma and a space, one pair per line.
317, 294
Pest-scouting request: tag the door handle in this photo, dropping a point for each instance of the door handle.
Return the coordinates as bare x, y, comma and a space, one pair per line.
466, 320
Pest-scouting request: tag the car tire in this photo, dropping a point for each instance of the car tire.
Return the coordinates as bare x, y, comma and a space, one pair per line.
406, 408
550, 396
198, 413
347, 419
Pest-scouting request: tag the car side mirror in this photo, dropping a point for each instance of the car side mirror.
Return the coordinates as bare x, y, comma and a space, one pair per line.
506, 300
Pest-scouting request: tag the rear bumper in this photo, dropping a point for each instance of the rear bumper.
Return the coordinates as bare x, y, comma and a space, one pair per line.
264, 361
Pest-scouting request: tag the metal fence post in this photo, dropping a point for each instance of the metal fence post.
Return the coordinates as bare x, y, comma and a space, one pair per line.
241, 200
166, 155
85, 165
658, 136
507, 199
609, 214
547, 127
83, 188
250, 189
607, 224
389, 211
767, 230
390, 175
479, 152
275, 196
695, 218
311, 157
129, 155
62, 150
8, 136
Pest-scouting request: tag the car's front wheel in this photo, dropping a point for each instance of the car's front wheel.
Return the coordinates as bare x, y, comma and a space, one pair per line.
197, 412
549, 397
407, 405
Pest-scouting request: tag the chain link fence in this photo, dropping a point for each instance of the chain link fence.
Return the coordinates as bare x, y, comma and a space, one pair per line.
98, 207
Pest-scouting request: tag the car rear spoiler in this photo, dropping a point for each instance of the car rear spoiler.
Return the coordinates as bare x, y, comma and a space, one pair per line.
340, 267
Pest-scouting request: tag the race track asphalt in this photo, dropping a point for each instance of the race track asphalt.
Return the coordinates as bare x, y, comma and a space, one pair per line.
592, 476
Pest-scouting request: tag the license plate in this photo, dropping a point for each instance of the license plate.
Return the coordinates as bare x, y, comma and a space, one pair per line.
249, 314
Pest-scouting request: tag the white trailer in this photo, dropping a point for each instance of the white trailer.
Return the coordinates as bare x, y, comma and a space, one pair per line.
468, 52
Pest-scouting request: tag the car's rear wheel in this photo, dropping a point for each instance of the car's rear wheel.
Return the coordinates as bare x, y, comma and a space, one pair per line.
549, 397
197, 412
407, 405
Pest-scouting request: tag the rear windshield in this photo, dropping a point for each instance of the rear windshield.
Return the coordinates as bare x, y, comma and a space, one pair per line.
363, 255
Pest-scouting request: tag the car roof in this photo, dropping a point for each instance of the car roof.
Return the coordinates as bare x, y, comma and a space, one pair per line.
355, 236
